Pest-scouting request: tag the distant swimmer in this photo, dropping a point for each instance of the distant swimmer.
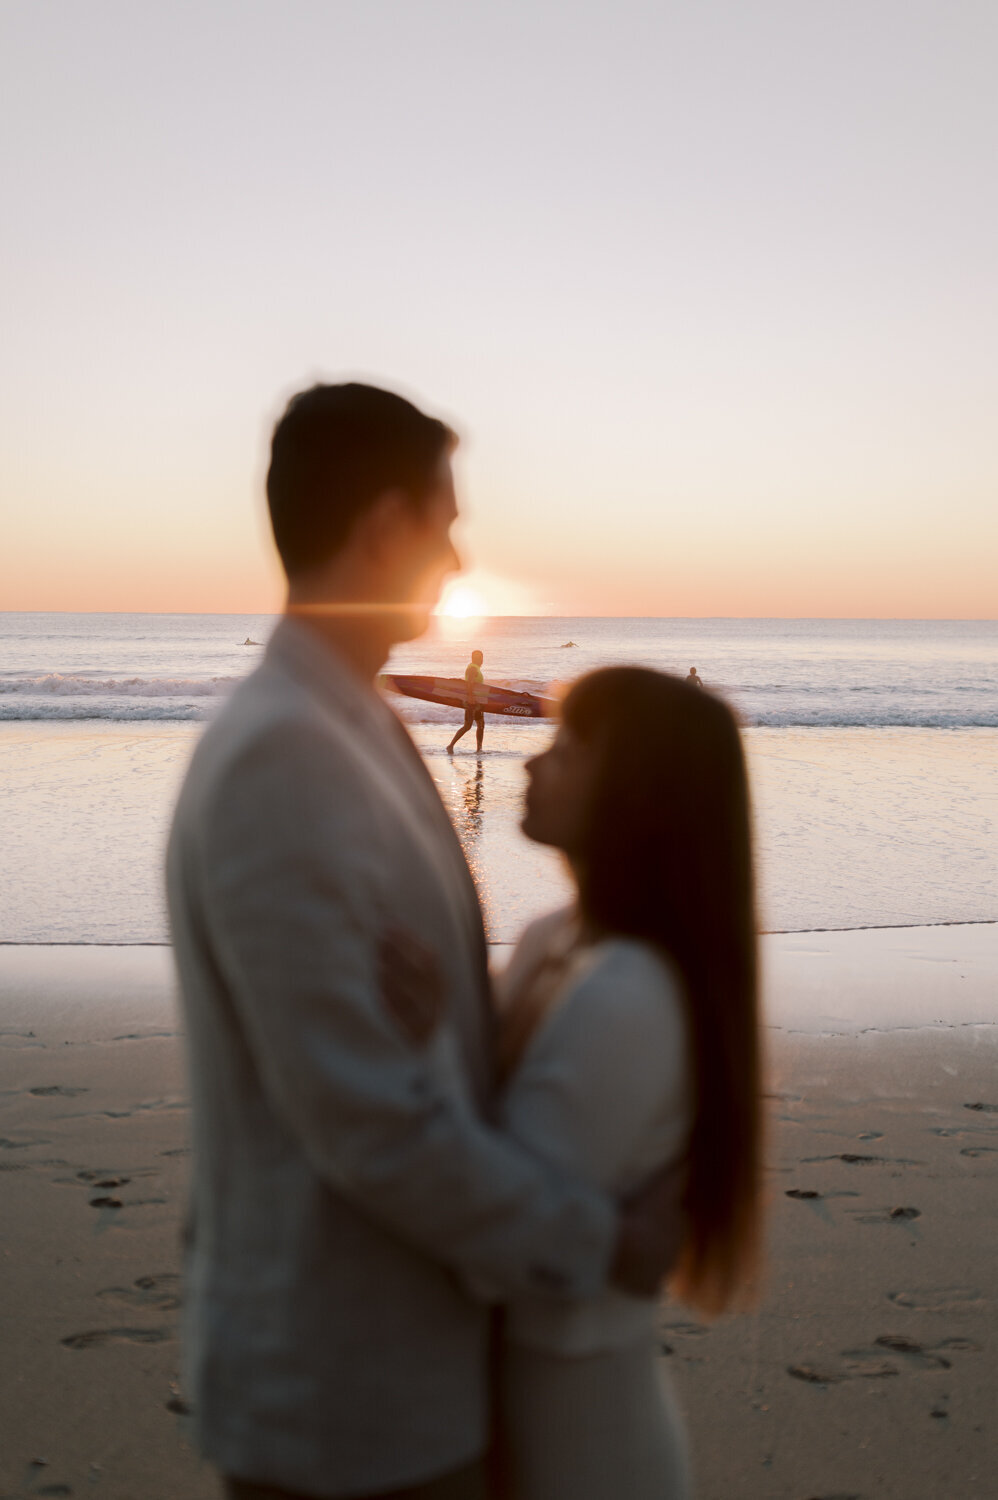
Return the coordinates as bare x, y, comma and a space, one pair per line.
472, 714
693, 679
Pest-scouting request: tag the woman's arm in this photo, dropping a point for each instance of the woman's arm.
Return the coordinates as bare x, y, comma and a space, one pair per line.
606, 1077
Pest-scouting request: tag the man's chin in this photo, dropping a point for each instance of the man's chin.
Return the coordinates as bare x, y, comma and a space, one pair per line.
412, 620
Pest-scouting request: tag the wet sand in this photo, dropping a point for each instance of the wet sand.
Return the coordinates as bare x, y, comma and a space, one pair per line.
866, 1371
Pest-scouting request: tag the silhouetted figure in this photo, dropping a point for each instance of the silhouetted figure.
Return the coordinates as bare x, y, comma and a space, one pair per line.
473, 713
693, 679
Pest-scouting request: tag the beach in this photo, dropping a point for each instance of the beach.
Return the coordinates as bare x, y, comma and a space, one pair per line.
864, 1371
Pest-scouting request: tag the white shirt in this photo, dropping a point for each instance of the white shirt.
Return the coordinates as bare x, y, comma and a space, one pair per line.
603, 1091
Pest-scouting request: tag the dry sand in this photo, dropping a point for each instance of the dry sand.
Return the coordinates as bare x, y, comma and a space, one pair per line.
867, 1371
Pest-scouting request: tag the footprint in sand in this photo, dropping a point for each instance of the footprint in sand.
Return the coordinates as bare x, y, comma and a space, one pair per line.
984, 1109
20, 1039
818, 1203
890, 1216
99, 1336
811, 1376
143, 1036
979, 1151
6, 1144
860, 1365
681, 1331
942, 1130
49, 1090
870, 1364
106, 1177
148, 1291
925, 1358
857, 1159
102, 1179
955, 1299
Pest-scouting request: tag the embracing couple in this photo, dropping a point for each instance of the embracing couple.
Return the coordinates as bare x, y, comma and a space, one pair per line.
431, 1212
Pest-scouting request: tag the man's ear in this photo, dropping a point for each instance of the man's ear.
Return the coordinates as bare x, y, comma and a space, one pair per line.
383, 525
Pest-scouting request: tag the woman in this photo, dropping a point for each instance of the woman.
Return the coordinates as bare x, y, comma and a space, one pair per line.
629, 1038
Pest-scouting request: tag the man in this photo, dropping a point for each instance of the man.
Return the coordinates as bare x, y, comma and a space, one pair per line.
693, 678
473, 713
347, 1186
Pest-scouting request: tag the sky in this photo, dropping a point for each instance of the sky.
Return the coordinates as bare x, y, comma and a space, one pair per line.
707, 290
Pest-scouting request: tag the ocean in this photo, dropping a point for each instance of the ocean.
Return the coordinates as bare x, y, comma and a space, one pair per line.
872, 745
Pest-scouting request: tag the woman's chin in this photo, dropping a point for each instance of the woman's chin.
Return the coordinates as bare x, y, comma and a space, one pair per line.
534, 829
529, 827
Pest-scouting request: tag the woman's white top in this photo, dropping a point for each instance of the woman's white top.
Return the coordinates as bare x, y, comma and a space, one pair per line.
603, 1091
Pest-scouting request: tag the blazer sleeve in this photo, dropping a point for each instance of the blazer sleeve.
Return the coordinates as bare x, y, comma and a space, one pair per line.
607, 1073
294, 903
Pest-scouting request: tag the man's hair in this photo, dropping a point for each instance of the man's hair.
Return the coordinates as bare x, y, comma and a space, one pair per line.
335, 449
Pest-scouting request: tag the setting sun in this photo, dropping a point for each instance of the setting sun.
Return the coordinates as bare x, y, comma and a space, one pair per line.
459, 602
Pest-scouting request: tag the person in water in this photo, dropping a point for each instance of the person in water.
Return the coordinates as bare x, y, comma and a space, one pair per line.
473, 712
693, 679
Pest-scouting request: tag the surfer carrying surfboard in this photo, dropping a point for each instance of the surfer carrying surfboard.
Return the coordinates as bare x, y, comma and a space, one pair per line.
473, 711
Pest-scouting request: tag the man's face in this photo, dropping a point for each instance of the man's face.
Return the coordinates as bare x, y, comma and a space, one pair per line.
421, 553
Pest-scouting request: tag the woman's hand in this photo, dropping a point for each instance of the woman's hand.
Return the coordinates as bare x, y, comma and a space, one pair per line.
412, 984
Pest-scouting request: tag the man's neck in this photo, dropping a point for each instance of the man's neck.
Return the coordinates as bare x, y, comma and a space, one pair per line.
360, 639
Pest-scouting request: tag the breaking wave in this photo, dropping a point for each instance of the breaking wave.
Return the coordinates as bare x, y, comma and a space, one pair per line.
80, 696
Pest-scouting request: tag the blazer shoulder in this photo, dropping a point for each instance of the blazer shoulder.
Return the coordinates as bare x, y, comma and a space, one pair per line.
270, 712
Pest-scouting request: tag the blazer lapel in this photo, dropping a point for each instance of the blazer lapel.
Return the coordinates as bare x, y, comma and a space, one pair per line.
386, 740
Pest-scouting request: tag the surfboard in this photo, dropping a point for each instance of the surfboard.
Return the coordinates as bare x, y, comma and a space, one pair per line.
452, 692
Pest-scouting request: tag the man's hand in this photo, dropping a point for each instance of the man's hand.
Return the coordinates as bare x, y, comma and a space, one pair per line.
651, 1234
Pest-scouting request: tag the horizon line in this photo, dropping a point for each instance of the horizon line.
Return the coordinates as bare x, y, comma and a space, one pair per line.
276, 614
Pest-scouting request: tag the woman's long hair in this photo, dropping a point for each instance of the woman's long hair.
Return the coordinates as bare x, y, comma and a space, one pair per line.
667, 857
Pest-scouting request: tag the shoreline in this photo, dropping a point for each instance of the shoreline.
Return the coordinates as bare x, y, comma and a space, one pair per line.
820, 981
497, 943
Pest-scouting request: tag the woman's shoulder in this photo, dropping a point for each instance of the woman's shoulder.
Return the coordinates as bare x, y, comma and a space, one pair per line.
540, 938
634, 982
638, 964
551, 927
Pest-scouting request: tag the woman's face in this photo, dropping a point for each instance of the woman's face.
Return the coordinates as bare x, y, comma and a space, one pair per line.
560, 785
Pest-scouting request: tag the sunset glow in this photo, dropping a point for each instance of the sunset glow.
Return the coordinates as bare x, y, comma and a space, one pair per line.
459, 602
679, 390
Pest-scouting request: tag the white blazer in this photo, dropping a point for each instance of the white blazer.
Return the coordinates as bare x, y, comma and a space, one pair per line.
345, 1185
